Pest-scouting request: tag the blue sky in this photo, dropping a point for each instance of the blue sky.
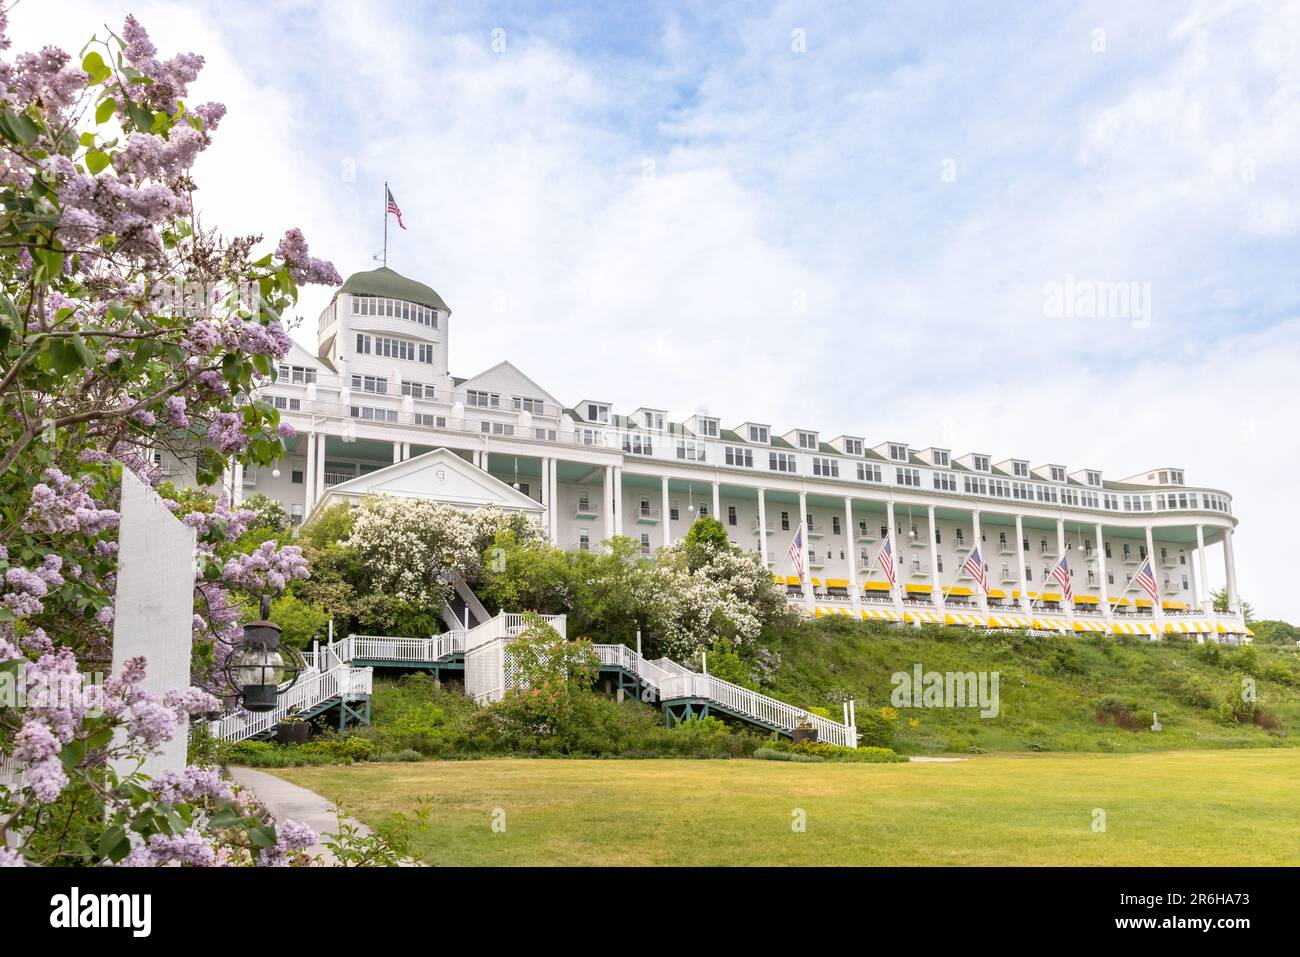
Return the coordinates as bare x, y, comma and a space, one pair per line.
836, 216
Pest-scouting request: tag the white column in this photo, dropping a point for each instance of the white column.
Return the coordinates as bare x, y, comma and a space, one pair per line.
607, 493
320, 466
406, 451
808, 601
397, 452
553, 474
762, 525
237, 483
618, 500
1101, 573
1024, 601
1230, 572
895, 591
1203, 600
717, 507
934, 559
851, 550
1158, 603
309, 477
979, 542
667, 516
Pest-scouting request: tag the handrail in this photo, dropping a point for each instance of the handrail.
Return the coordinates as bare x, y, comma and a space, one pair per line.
342, 681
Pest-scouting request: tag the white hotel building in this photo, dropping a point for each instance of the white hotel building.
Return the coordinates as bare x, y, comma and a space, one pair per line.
378, 411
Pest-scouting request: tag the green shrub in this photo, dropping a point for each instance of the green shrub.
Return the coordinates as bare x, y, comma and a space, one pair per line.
834, 752
772, 754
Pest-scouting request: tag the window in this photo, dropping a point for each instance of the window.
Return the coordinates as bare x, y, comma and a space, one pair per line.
782, 462
1094, 478
673, 514
363, 344
909, 477
1058, 473
496, 428
785, 521
645, 544
945, 481
898, 452
759, 433
482, 400
525, 404
654, 420
635, 443
708, 427
940, 457
296, 375
835, 524
544, 435
370, 413
826, 468
868, 472
704, 510
974, 485
959, 537
690, 450
584, 540
1020, 469
740, 457
370, 383
808, 440
417, 390
853, 446
592, 437
379, 306
286, 405
431, 421
597, 413
731, 515
296, 476
980, 462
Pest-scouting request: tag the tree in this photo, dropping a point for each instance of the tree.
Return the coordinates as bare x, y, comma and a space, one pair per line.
1220, 598
125, 329
706, 537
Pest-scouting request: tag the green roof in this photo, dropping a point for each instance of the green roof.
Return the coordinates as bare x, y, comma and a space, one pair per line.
384, 282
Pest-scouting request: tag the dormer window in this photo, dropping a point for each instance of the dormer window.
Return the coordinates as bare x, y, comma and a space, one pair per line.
941, 458
1057, 473
1176, 477
597, 412
853, 446
808, 440
759, 433
980, 462
654, 420
1020, 469
898, 452
1094, 478
708, 427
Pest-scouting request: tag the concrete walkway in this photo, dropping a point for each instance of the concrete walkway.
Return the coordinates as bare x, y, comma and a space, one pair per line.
290, 802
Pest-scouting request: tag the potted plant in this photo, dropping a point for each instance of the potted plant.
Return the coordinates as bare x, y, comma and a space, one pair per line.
804, 731
292, 730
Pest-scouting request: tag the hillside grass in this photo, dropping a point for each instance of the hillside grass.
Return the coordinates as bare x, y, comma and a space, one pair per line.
1174, 808
1051, 688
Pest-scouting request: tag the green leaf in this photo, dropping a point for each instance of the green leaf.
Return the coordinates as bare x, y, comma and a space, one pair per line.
73, 753
114, 844
19, 127
140, 116
107, 107
262, 836
82, 351
94, 64
227, 815
96, 160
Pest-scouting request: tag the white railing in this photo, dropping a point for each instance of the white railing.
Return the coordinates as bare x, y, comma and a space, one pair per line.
755, 706
310, 690
508, 625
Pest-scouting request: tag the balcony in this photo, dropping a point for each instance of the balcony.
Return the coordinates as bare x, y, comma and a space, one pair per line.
960, 546
647, 515
1006, 548
815, 532
754, 529
338, 478
1047, 551
1169, 561
581, 545
585, 509
866, 535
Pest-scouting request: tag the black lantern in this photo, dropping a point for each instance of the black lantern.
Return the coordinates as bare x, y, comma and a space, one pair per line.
258, 669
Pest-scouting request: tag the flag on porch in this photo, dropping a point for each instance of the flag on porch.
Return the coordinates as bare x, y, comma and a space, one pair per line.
1062, 574
796, 553
974, 567
1145, 578
885, 559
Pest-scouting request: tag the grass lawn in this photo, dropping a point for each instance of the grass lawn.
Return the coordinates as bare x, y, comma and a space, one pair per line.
1164, 808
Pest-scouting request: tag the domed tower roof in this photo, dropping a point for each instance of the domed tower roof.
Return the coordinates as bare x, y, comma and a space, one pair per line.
384, 282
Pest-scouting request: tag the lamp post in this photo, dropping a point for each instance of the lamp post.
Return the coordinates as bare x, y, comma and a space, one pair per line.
258, 668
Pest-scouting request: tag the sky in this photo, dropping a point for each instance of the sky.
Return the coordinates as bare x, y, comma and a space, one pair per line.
853, 218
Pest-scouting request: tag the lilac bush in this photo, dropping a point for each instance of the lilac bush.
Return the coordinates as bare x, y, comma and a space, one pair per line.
125, 329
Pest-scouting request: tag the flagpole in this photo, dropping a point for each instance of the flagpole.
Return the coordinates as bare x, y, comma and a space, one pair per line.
385, 223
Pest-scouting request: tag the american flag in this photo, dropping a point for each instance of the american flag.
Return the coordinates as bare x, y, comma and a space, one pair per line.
974, 567
885, 559
796, 553
1146, 578
392, 207
1062, 574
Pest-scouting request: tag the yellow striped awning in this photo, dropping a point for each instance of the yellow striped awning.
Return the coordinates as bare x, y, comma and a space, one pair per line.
825, 611
1146, 628
876, 586
1189, 626
919, 589
1051, 624
997, 593
926, 617
1088, 624
881, 614
837, 583
1049, 596
957, 590
1144, 602
1009, 621
1174, 605
963, 618
1086, 599
792, 580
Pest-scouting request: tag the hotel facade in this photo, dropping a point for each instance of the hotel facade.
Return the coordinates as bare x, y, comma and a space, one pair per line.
377, 411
